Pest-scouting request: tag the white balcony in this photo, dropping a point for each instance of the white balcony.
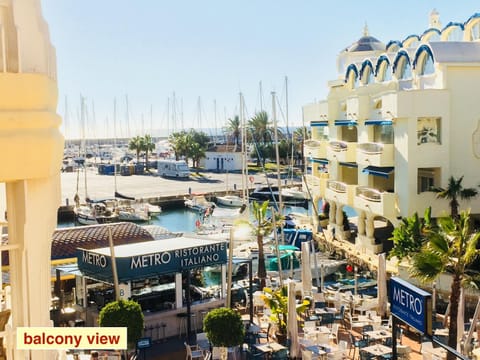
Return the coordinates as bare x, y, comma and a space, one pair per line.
316, 185
315, 149
377, 202
340, 192
375, 154
342, 151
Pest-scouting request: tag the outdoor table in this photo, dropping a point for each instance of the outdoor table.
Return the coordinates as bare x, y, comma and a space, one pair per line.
269, 347
317, 329
377, 350
377, 335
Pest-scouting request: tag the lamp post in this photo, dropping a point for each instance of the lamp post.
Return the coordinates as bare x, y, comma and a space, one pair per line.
229, 269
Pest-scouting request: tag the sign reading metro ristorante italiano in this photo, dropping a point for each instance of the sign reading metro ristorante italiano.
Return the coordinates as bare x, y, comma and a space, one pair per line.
141, 260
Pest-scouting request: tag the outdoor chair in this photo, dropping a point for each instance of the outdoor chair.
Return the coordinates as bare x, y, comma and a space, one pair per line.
193, 354
366, 355
356, 343
327, 319
340, 317
334, 332
320, 304
280, 355
308, 355
365, 329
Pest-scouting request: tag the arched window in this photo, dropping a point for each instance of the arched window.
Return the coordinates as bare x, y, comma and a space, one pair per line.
430, 35
393, 46
452, 32
383, 69
475, 31
351, 77
411, 41
424, 63
367, 76
472, 27
401, 66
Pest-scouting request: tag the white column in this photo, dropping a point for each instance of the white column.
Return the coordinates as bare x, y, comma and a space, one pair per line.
361, 223
178, 291
32, 213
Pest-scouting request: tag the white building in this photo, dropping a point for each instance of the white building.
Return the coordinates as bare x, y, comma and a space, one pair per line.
223, 158
400, 118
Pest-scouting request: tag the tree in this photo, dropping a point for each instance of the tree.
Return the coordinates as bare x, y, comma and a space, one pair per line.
197, 146
264, 226
179, 143
409, 237
123, 313
260, 127
299, 136
224, 327
450, 247
234, 129
136, 144
148, 146
452, 192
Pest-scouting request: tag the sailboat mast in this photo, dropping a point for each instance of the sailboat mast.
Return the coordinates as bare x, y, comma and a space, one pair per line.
114, 142
242, 124
82, 121
275, 133
292, 159
215, 122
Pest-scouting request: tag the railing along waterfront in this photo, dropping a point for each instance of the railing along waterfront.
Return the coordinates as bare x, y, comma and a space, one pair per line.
369, 193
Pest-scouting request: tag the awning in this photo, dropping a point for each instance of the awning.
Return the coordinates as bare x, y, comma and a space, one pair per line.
319, 161
349, 164
378, 122
378, 171
318, 123
345, 123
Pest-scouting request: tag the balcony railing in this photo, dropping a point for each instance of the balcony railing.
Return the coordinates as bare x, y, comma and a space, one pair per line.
338, 146
369, 193
370, 148
337, 186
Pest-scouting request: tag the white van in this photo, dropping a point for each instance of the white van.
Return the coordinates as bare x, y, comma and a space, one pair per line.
173, 168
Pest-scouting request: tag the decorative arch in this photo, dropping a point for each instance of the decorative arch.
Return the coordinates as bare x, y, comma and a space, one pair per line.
472, 28
367, 75
401, 66
452, 32
424, 61
351, 76
383, 69
431, 34
411, 41
394, 46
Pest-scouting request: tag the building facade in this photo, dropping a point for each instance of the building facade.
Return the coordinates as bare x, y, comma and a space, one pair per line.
400, 118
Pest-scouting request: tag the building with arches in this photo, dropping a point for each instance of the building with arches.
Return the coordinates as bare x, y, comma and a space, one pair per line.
399, 118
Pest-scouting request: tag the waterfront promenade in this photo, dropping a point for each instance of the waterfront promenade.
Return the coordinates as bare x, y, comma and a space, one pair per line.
150, 186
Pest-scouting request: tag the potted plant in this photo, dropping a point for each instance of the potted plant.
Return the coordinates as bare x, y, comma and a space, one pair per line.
277, 302
224, 328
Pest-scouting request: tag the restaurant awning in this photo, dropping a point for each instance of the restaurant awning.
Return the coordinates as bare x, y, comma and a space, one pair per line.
319, 161
378, 122
318, 123
378, 171
349, 164
141, 260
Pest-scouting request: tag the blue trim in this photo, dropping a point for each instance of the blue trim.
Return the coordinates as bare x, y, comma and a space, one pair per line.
392, 42
451, 24
319, 161
420, 50
379, 171
378, 122
345, 123
411, 36
351, 67
364, 65
318, 123
431, 30
349, 164
400, 54
474, 16
380, 60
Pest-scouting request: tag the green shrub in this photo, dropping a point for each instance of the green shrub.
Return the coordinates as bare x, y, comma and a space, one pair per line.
123, 313
224, 327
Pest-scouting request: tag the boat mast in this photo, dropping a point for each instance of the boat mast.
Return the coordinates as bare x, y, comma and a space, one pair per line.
293, 132
82, 121
275, 133
114, 143
242, 125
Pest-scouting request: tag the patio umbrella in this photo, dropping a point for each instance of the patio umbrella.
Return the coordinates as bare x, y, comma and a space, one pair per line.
306, 269
460, 318
382, 284
292, 326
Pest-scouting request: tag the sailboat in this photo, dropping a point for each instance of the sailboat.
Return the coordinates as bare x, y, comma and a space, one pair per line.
229, 200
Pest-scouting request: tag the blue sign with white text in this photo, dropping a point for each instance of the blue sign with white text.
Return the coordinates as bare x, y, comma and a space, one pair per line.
411, 304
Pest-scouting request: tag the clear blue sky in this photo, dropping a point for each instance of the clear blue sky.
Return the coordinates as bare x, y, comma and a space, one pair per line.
211, 50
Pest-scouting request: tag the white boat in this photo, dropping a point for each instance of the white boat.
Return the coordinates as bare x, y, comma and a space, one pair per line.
199, 203
94, 214
294, 193
133, 214
152, 210
230, 201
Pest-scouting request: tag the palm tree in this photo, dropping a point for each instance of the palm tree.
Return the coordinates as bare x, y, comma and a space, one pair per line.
452, 192
452, 248
178, 141
263, 227
148, 146
261, 128
233, 127
136, 144
299, 136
